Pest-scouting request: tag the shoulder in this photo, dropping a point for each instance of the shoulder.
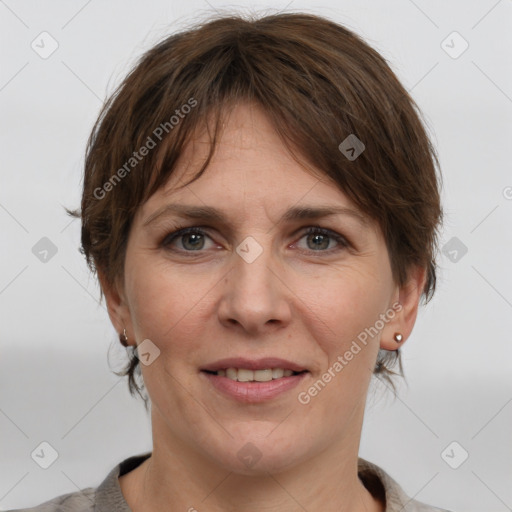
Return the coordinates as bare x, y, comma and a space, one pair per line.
382, 485
106, 497
82, 501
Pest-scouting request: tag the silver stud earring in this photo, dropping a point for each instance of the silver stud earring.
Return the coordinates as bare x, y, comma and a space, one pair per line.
398, 337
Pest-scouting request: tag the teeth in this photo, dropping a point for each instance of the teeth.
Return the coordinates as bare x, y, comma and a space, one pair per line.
245, 375
263, 375
231, 373
277, 373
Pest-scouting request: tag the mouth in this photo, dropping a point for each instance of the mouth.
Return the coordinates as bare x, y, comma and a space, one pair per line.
253, 381
247, 375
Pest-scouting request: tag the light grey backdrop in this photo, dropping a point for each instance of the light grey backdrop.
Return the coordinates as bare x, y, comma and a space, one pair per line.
55, 382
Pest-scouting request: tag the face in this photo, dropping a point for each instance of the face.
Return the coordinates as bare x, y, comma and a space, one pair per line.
255, 283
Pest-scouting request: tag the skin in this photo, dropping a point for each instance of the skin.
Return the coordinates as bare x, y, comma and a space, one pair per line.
293, 302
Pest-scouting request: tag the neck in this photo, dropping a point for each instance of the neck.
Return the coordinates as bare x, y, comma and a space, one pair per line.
175, 474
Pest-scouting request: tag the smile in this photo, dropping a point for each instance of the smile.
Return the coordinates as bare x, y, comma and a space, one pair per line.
253, 380
246, 375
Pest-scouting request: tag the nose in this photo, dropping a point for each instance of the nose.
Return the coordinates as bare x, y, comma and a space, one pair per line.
255, 296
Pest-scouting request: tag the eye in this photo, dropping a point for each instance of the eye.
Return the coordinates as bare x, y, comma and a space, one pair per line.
193, 239
318, 239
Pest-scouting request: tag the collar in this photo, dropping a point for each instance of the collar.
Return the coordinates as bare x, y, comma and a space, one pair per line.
374, 478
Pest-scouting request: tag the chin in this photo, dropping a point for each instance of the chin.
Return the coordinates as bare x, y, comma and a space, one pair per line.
259, 455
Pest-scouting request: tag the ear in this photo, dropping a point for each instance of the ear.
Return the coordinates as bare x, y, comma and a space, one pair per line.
117, 306
406, 301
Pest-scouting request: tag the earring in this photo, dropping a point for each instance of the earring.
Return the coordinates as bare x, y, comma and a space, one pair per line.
398, 337
123, 338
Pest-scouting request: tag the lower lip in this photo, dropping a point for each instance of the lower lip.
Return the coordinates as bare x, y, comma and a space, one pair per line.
252, 392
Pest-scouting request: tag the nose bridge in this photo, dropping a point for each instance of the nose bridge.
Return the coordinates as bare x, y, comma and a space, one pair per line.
254, 295
254, 264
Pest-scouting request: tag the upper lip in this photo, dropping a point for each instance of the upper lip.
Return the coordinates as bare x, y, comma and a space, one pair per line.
253, 364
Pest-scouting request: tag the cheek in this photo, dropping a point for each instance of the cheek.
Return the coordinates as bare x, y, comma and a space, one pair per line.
166, 302
342, 304
344, 307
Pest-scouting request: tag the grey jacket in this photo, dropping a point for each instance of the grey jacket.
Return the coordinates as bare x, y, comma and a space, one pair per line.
107, 497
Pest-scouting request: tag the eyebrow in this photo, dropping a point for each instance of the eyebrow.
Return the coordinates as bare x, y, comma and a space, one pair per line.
209, 213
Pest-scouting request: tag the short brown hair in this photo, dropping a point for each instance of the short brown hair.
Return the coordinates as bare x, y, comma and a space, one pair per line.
318, 82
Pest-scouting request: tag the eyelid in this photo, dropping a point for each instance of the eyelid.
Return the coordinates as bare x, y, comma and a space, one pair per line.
176, 232
343, 242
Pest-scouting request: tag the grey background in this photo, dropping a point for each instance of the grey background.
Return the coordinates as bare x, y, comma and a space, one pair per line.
55, 381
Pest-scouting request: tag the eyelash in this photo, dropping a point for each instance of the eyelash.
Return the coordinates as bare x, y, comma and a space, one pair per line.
180, 231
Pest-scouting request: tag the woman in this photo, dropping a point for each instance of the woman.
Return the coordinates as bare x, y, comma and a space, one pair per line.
261, 205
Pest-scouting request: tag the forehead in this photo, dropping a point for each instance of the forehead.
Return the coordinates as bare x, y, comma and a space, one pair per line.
247, 142
251, 169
